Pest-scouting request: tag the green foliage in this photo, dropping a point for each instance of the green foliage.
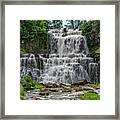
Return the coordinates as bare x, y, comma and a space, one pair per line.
91, 29
22, 51
73, 24
22, 93
97, 51
27, 82
39, 86
53, 24
80, 88
90, 96
33, 35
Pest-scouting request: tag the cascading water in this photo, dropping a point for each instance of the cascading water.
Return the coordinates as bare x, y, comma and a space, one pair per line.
67, 62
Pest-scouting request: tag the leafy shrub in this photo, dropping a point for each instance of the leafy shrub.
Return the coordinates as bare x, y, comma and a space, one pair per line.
91, 30
27, 82
22, 93
80, 88
97, 51
38, 86
90, 96
22, 51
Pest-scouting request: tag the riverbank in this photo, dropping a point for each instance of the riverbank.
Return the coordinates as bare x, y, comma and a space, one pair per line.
65, 92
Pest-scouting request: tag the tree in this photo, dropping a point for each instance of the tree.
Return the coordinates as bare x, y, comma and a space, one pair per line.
73, 24
91, 29
53, 24
33, 35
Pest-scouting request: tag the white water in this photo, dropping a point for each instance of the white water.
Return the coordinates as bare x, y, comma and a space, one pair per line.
67, 62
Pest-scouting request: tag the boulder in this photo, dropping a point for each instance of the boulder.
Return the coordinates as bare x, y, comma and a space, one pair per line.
54, 89
44, 93
80, 82
50, 85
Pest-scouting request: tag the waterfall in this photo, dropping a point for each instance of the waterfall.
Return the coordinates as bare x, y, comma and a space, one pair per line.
67, 62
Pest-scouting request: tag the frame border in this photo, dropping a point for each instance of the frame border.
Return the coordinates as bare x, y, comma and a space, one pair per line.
62, 2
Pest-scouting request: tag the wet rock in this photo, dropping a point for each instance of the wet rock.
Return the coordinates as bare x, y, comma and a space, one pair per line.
77, 89
72, 55
98, 87
54, 89
44, 93
80, 82
66, 95
50, 85
66, 90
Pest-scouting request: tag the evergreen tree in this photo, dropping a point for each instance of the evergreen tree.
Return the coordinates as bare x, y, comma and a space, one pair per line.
55, 24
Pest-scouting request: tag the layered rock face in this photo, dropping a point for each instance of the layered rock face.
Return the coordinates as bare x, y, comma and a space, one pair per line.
67, 62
